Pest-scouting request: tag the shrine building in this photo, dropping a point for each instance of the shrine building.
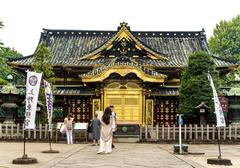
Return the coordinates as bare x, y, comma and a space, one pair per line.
138, 72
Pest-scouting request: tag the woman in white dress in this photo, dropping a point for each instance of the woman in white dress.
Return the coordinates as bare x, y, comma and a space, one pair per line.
106, 132
68, 121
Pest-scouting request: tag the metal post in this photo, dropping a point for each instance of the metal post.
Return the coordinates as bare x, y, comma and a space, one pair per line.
180, 138
180, 122
219, 148
49, 140
24, 145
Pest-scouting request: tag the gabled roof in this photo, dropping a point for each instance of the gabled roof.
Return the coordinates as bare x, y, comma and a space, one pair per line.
124, 34
82, 48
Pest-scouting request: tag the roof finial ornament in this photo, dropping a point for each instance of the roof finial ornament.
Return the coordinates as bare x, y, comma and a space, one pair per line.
124, 24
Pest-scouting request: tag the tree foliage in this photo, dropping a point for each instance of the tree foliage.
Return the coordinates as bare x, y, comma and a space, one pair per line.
195, 87
226, 39
232, 78
1, 26
5, 70
42, 63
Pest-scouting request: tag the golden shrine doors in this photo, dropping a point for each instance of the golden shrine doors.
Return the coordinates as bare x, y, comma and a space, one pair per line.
127, 102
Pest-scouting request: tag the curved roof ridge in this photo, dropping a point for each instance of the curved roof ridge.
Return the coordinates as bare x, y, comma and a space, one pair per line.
223, 59
19, 58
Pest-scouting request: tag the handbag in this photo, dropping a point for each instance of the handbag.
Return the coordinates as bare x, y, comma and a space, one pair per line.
62, 129
89, 129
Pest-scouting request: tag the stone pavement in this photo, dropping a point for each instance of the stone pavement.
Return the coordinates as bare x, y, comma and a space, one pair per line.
126, 155
231, 152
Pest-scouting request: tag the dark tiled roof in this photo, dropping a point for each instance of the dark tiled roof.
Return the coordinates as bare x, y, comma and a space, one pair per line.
83, 62
166, 91
73, 91
63, 90
69, 46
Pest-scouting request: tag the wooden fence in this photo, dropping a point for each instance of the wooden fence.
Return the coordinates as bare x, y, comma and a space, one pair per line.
149, 133
40, 133
192, 132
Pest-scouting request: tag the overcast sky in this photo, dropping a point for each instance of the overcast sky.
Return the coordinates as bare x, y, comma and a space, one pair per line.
24, 19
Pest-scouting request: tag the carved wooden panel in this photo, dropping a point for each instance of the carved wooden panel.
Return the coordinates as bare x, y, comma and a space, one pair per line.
149, 111
79, 107
165, 110
96, 105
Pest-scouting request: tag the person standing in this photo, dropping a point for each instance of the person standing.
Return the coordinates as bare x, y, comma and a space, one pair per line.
68, 121
95, 130
114, 124
106, 132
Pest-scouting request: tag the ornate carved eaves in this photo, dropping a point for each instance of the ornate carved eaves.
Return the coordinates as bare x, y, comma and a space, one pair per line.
123, 71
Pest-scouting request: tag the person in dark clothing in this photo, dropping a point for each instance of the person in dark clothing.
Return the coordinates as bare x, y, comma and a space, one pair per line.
95, 130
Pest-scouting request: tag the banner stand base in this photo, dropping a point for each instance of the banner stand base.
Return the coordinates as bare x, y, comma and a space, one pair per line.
25, 160
219, 161
50, 151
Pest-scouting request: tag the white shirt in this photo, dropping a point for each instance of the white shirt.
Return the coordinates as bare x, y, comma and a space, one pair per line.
114, 117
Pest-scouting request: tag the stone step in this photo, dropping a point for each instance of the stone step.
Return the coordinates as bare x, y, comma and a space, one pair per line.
127, 139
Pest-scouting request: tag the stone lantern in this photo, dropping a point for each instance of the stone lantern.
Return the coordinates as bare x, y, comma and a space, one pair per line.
9, 95
202, 109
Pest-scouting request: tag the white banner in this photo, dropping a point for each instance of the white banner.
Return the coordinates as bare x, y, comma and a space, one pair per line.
32, 90
49, 102
217, 105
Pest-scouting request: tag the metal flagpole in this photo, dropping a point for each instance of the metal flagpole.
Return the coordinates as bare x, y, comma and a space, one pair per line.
24, 145
219, 149
220, 123
49, 140
24, 159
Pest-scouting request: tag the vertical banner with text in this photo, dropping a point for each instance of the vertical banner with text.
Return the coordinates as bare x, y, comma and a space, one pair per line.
49, 102
218, 108
32, 90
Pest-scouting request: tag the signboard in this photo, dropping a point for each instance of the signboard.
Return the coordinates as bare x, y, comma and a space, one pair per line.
180, 120
49, 102
32, 90
218, 108
80, 126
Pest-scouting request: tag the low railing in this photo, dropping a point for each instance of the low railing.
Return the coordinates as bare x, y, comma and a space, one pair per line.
40, 133
191, 132
169, 133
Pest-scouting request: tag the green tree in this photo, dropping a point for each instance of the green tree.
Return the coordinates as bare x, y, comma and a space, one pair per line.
5, 70
42, 63
195, 87
226, 39
1, 26
230, 78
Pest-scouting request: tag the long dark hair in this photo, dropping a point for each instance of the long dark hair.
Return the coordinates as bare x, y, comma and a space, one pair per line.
106, 115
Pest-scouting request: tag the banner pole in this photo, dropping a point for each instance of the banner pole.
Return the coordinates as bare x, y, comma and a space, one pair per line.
49, 140
219, 148
24, 159
50, 144
24, 144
